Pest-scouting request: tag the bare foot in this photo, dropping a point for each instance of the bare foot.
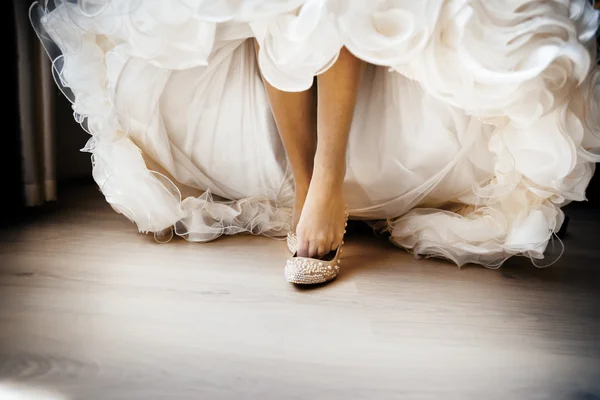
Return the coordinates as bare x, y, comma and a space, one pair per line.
321, 225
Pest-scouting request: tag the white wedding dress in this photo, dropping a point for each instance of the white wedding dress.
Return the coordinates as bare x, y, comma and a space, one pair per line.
476, 120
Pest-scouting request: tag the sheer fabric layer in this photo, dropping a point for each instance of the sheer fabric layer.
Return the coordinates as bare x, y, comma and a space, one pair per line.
476, 121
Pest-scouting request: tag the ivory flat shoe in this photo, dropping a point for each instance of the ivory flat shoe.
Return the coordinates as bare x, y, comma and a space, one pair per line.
292, 242
312, 271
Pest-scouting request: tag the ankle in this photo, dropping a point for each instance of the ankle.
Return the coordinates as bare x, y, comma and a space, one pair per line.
327, 185
331, 178
330, 171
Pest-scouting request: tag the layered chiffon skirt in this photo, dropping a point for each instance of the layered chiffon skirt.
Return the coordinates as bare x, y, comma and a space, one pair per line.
476, 121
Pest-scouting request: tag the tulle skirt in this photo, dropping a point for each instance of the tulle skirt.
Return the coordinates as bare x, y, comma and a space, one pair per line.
475, 121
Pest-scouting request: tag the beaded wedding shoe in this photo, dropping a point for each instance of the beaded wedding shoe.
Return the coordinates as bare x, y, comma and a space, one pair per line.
292, 242
311, 271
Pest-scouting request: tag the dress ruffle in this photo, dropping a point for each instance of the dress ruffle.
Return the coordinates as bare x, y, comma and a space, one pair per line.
476, 121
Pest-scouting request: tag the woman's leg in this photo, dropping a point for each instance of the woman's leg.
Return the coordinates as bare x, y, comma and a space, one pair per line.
296, 118
321, 225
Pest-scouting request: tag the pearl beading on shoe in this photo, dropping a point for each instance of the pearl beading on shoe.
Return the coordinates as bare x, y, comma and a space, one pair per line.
292, 242
311, 271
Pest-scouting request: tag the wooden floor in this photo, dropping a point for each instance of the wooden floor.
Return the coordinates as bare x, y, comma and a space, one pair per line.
92, 310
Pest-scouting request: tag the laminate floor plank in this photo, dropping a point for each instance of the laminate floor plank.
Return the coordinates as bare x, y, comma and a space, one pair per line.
92, 310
